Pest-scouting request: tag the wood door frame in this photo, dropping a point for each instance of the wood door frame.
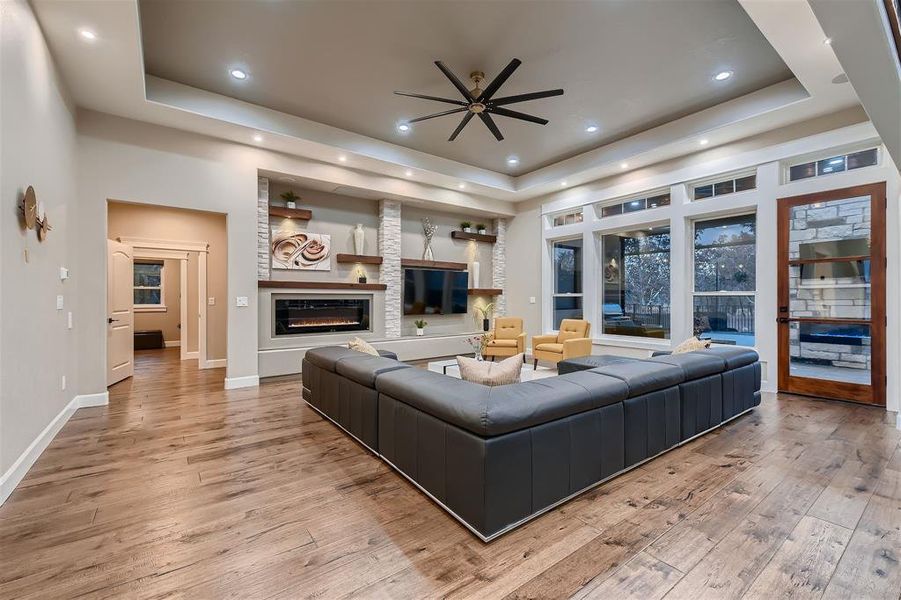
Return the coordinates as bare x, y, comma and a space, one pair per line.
876, 391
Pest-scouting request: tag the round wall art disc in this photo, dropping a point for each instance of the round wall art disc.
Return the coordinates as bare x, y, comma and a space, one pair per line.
30, 208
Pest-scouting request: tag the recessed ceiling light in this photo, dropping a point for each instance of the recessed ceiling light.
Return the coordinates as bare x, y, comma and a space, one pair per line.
624, 165
238, 74
704, 142
723, 75
563, 183
87, 34
828, 41
512, 161
591, 129
342, 158
461, 185
408, 173
403, 127
257, 137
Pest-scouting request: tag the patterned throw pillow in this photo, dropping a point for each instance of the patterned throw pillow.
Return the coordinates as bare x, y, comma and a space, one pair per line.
488, 373
690, 345
362, 346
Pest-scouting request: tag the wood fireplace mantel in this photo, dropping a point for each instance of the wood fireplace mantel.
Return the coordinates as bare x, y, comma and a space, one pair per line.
320, 285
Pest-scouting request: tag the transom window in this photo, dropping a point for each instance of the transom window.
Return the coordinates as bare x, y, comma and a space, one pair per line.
634, 205
636, 283
723, 187
833, 164
148, 283
567, 218
567, 298
725, 279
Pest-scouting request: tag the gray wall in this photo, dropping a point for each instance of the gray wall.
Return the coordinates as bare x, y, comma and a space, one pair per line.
524, 246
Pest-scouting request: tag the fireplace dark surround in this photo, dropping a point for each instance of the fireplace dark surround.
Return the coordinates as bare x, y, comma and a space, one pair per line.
303, 316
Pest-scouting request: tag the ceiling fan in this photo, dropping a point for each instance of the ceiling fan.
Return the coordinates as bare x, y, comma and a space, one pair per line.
482, 102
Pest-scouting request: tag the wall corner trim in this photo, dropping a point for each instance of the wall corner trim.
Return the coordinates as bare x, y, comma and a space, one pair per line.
898, 420
17, 471
215, 363
233, 383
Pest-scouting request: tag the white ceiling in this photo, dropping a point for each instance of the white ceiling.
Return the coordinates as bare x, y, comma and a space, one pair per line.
625, 66
108, 75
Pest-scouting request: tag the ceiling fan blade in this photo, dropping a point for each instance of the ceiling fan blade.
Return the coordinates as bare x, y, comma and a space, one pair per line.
525, 97
453, 79
460, 126
489, 123
498, 81
441, 114
435, 98
513, 114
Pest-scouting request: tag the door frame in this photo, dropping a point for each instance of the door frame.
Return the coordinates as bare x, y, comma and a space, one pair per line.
178, 250
875, 393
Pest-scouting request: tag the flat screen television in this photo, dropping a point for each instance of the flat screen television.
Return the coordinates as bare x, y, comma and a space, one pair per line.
435, 292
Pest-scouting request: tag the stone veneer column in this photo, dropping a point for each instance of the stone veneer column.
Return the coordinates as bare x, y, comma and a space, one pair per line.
262, 228
389, 271
499, 266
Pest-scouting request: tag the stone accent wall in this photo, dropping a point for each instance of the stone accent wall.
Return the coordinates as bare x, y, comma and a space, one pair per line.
262, 228
390, 270
499, 266
841, 297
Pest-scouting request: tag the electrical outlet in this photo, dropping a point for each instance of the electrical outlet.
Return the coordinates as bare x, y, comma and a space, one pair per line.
241, 301
59, 302
211, 301
62, 383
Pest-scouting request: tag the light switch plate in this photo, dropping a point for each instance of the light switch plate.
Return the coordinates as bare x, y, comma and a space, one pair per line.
59, 302
63, 273
531, 299
241, 301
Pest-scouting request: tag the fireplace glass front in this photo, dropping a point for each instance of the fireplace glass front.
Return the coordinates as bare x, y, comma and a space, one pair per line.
296, 316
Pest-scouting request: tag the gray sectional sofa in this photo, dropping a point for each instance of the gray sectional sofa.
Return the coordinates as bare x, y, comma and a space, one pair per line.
496, 457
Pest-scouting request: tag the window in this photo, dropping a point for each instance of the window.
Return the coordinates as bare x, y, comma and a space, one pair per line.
725, 186
148, 284
567, 300
635, 204
725, 279
636, 276
568, 218
833, 164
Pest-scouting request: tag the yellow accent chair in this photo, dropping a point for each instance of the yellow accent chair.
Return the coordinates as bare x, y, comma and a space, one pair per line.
509, 339
571, 341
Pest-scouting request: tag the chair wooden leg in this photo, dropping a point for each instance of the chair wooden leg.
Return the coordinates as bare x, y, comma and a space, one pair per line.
535, 366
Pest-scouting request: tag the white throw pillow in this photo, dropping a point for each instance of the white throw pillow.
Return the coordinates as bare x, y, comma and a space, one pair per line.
690, 345
488, 373
362, 346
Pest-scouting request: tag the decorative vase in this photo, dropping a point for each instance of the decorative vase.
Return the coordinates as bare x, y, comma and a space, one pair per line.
478, 355
291, 204
420, 331
483, 231
427, 254
359, 237
362, 279
474, 279
486, 323
467, 230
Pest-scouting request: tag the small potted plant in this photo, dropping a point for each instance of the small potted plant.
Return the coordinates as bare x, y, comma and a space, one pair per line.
466, 226
420, 326
485, 310
481, 228
290, 199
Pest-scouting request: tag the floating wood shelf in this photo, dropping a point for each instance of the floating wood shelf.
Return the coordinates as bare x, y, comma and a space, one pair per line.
485, 292
432, 264
302, 214
478, 237
359, 258
320, 285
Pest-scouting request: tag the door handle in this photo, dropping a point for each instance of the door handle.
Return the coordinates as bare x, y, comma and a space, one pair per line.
112, 320
782, 319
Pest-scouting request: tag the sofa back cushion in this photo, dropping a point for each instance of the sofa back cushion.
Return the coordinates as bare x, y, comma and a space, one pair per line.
490, 373
507, 328
573, 328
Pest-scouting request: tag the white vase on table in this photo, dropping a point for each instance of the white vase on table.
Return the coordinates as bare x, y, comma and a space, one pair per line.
359, 238
474, 275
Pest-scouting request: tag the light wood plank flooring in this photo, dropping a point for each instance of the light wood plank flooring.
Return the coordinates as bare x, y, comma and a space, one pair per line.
181, 489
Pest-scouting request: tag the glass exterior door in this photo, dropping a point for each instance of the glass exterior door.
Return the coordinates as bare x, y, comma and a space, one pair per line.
832, 294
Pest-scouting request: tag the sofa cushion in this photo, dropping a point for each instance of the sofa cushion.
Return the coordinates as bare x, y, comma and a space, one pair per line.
365, 369
327, 356
502, 344
583, 363
507, 328
734, 357
573, 328
388, 354
643, 376
690, 345
603, 390
555, 348
693, 364
362, 345
505, 372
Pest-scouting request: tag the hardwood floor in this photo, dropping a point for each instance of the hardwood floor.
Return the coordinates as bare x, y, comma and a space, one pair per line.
181, 489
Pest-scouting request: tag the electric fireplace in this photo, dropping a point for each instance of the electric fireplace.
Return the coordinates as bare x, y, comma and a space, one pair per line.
300, 316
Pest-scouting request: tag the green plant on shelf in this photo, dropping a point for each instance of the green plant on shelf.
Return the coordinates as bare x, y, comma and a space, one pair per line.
420, 323
466, 226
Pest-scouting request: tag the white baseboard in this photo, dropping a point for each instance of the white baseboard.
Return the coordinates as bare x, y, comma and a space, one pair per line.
172, 344
191, 355
18, 470
215, 363
898, 419
233, 383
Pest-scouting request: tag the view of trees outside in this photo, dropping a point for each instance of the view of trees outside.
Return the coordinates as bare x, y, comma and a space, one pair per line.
725, 261
567, 256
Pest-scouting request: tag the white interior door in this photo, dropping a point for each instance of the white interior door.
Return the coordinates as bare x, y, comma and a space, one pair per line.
120, 342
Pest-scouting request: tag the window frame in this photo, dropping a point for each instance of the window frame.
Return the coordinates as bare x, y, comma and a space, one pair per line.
691, 186
694, 293
161, 307
788, 165
554, 294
